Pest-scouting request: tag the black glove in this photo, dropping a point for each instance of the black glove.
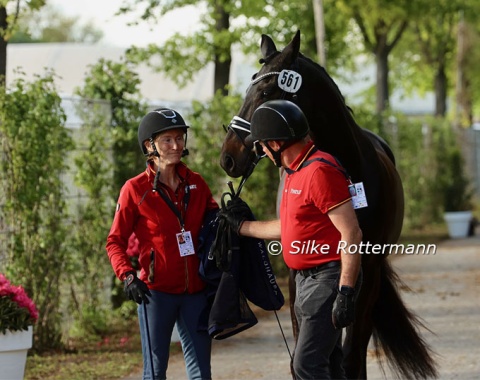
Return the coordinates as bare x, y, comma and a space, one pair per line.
235, 212
343, 313
135, 289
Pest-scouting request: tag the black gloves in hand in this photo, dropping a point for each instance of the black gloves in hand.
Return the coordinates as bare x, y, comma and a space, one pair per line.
343, 313
135, 289
235, 212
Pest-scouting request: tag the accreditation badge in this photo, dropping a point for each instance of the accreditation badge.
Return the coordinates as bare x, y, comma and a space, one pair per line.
359, 198
185, 243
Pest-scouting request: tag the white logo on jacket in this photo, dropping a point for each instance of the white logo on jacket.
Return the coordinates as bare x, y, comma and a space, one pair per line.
295, 191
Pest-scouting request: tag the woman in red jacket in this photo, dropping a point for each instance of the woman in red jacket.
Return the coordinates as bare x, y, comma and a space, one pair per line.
165, 207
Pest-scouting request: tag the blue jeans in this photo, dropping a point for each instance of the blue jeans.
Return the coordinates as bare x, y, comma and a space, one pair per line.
163, 311
318, 353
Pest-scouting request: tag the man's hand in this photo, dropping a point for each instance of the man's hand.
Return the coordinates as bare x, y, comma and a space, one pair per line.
135, 289
343, 313
235, 213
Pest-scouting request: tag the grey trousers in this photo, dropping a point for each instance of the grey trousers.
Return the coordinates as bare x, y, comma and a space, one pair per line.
318, 353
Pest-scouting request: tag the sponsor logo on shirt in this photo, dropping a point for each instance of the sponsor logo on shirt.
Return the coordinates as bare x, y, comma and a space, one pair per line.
295, 191
191, 187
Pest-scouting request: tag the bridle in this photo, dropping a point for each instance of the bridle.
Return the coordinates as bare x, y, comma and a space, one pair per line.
239, 125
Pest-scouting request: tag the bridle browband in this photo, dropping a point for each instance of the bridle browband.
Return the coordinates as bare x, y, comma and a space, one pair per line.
261, 77
240, 124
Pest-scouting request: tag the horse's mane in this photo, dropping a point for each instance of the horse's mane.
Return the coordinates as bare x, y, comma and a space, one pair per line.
331, 83
333, 126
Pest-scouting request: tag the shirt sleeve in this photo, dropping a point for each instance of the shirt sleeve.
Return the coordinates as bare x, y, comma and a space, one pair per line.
328, 188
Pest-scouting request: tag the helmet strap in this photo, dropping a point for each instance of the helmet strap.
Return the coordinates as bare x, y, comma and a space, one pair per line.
185, 150
277, 155
155, 151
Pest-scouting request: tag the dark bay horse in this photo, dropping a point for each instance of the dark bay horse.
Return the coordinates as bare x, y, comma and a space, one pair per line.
368, 159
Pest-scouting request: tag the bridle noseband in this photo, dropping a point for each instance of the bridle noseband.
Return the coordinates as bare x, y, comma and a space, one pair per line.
238, 124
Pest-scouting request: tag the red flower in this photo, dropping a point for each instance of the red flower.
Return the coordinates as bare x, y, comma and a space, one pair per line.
17, 310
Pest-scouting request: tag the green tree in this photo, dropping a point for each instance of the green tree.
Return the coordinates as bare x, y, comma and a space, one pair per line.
50, 25
8, 21
425, 59
118, 83
34, 146
381, 24
89, 267
226, 23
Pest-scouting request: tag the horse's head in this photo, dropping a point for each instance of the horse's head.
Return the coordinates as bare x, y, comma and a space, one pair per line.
273, 81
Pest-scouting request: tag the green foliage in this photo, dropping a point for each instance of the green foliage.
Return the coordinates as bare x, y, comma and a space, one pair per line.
110, 156
429, 163
89, 266
247, 20
50, 25
452, 183
13, 317
34, 145
207, 120
118, 83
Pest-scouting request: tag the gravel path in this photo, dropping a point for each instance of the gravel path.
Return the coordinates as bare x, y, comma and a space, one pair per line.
445, 292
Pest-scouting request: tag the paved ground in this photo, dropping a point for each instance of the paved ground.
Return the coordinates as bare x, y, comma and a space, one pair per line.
445, 293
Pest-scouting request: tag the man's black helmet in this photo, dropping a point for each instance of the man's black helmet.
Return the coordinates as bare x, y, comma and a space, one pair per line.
278, 120
157, 121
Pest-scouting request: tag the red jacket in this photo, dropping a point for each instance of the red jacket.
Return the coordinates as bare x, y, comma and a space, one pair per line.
144, 212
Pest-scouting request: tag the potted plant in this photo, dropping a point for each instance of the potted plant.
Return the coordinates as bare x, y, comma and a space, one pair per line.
17, 316
457, 196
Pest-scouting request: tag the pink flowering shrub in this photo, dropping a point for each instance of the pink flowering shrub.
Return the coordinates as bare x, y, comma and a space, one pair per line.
17, 310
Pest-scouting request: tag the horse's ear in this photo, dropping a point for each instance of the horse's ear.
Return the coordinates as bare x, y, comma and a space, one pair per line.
293, 48
267, 46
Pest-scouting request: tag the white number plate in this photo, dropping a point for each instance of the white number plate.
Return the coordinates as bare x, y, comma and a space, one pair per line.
289, 81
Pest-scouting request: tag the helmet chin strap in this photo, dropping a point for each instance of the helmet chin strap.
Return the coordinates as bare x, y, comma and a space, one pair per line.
277, 155
155, 153
185, 150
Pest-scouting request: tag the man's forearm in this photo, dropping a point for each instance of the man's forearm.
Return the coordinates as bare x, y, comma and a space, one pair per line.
269, 230
351, 262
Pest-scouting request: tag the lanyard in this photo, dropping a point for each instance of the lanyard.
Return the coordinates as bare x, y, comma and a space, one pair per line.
172, 206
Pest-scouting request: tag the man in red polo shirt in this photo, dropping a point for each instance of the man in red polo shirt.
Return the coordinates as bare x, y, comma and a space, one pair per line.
316, 213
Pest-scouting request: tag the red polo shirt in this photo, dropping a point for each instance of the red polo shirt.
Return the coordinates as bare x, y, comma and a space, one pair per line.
309, 238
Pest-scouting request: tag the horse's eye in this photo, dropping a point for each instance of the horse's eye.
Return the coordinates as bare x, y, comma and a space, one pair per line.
254, 76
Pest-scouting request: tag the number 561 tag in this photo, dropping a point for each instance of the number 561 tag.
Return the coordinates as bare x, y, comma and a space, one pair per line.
289, 81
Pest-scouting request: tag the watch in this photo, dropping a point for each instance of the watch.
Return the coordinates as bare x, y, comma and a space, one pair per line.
346, 290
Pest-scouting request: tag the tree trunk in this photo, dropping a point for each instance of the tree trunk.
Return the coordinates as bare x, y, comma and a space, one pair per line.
3, 46
440, 92
320, 31
383, 96
223, 56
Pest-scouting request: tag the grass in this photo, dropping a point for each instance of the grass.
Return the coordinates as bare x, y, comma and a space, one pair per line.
114, 356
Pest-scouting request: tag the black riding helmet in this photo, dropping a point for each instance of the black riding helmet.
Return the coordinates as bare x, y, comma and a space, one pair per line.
157, 121
278, 120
